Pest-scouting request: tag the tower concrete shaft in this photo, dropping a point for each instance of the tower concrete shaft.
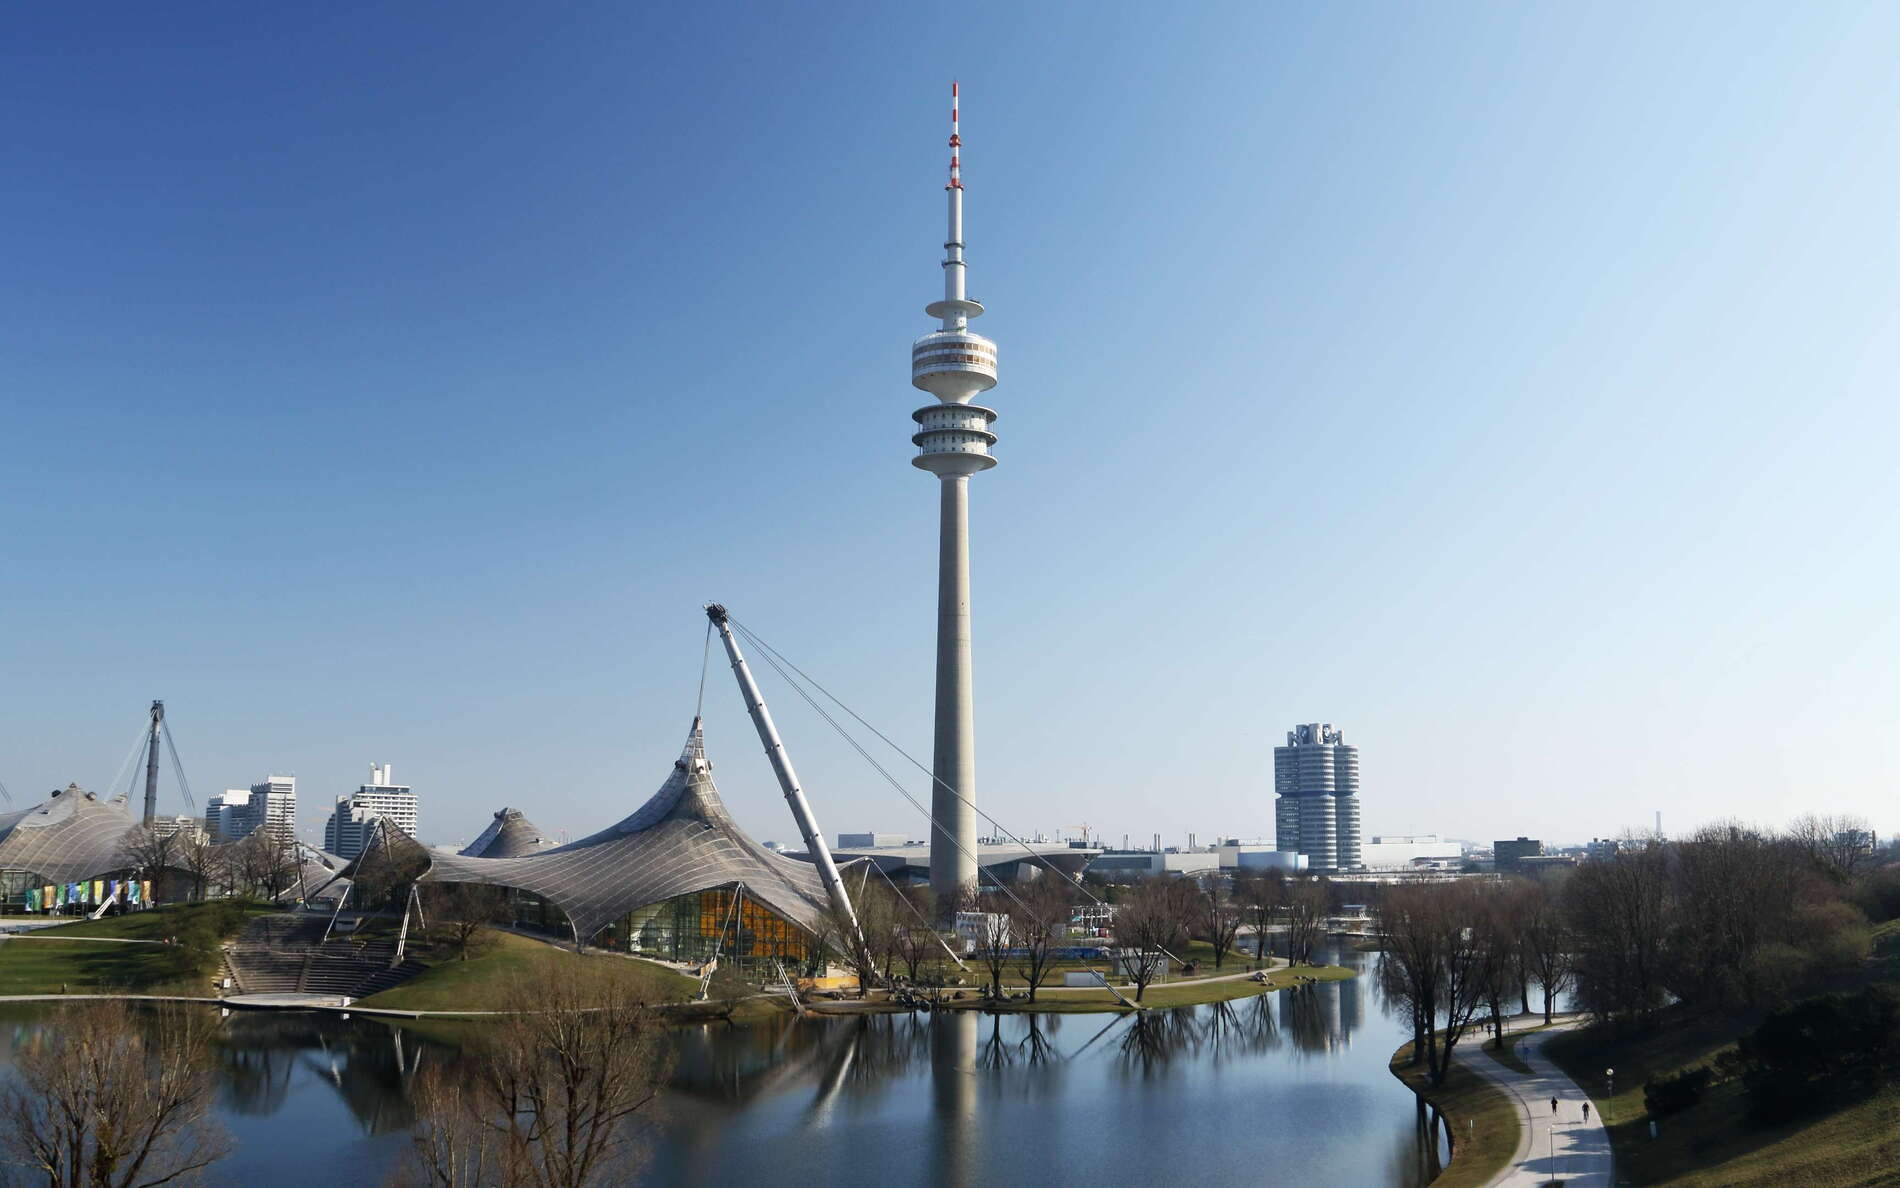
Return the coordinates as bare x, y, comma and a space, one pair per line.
954, 364
953, 763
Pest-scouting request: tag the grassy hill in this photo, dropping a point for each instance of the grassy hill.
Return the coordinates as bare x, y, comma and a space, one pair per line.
79, 959
1710, 1143
484, 981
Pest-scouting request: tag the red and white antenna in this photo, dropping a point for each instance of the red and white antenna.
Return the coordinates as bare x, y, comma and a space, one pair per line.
956, 143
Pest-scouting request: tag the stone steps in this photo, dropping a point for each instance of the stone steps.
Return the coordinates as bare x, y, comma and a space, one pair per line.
286, 954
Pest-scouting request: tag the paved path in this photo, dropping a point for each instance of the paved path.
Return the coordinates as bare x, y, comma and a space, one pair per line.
1550, 1148
87, 940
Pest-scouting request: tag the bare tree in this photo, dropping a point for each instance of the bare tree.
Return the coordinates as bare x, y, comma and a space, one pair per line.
917, 942
1039, 923
1619, 912
1219, 921
1305, 920
1841, 845
461, 915
203, 860
104, 1103
1497, 929
1434, 962
453, 1143
1409, 960
556, 1086
1548, 948
864, 949
1149, 925
1262, 893
154, 851
984, 923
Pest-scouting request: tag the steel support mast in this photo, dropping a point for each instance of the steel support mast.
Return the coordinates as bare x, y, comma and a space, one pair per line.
787, 778
151, 765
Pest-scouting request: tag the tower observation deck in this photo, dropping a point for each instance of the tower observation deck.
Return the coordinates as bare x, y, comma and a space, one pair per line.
955, 365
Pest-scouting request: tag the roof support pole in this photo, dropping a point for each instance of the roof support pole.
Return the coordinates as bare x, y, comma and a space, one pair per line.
787, 779
151, 766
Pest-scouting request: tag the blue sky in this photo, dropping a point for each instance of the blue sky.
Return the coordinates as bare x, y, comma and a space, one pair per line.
1512, 385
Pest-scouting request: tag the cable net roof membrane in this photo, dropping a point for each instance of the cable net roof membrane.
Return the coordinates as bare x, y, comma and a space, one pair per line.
73, 835
509, 835
682, 840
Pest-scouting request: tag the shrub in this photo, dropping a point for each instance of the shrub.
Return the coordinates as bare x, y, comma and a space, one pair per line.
1672, 1095
1879, 893
1821, 1051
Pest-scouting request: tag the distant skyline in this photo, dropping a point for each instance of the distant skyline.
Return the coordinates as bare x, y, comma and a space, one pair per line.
1510, 386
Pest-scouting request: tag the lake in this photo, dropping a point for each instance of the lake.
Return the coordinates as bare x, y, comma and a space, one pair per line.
1291, 1084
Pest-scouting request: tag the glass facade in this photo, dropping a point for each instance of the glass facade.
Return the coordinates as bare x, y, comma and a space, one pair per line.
689, 928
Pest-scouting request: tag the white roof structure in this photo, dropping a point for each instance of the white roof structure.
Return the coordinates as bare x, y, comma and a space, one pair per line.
509, 835
74, 835
681, 841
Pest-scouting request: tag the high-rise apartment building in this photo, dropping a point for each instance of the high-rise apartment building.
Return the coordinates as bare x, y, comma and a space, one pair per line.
236, 813
1316, 775
381, 799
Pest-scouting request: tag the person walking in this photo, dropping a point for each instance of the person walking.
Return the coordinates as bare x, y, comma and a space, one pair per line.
1586, 1113
1553, 1107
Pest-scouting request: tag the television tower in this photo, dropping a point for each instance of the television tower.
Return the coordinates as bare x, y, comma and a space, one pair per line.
954, 364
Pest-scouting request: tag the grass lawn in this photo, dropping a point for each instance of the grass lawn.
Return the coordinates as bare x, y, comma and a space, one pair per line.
483, 982
1483, 1119
1190, 994
83, 967
32, 966
147, 925
1710, 1143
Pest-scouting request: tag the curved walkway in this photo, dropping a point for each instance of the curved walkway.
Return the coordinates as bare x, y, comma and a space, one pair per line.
1559, 1148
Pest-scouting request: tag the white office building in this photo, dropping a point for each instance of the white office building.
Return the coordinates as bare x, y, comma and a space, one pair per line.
380, 799
1388, 852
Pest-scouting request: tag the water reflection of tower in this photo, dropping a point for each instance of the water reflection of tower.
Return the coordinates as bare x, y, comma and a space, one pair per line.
953, 1094
1352, 1009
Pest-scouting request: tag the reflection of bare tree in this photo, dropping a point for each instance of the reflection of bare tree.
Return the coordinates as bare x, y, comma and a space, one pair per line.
1037, 1047
1414, 1158
997, 1053
1231, 1031
1153, 1039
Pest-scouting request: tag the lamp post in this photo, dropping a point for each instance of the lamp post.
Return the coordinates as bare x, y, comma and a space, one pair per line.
1609, 1074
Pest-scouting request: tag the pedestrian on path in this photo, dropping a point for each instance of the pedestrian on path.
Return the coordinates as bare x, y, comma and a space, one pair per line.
1586, 1112
1553, 1107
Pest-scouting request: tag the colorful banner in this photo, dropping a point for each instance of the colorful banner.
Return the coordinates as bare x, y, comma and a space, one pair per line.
32, 899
